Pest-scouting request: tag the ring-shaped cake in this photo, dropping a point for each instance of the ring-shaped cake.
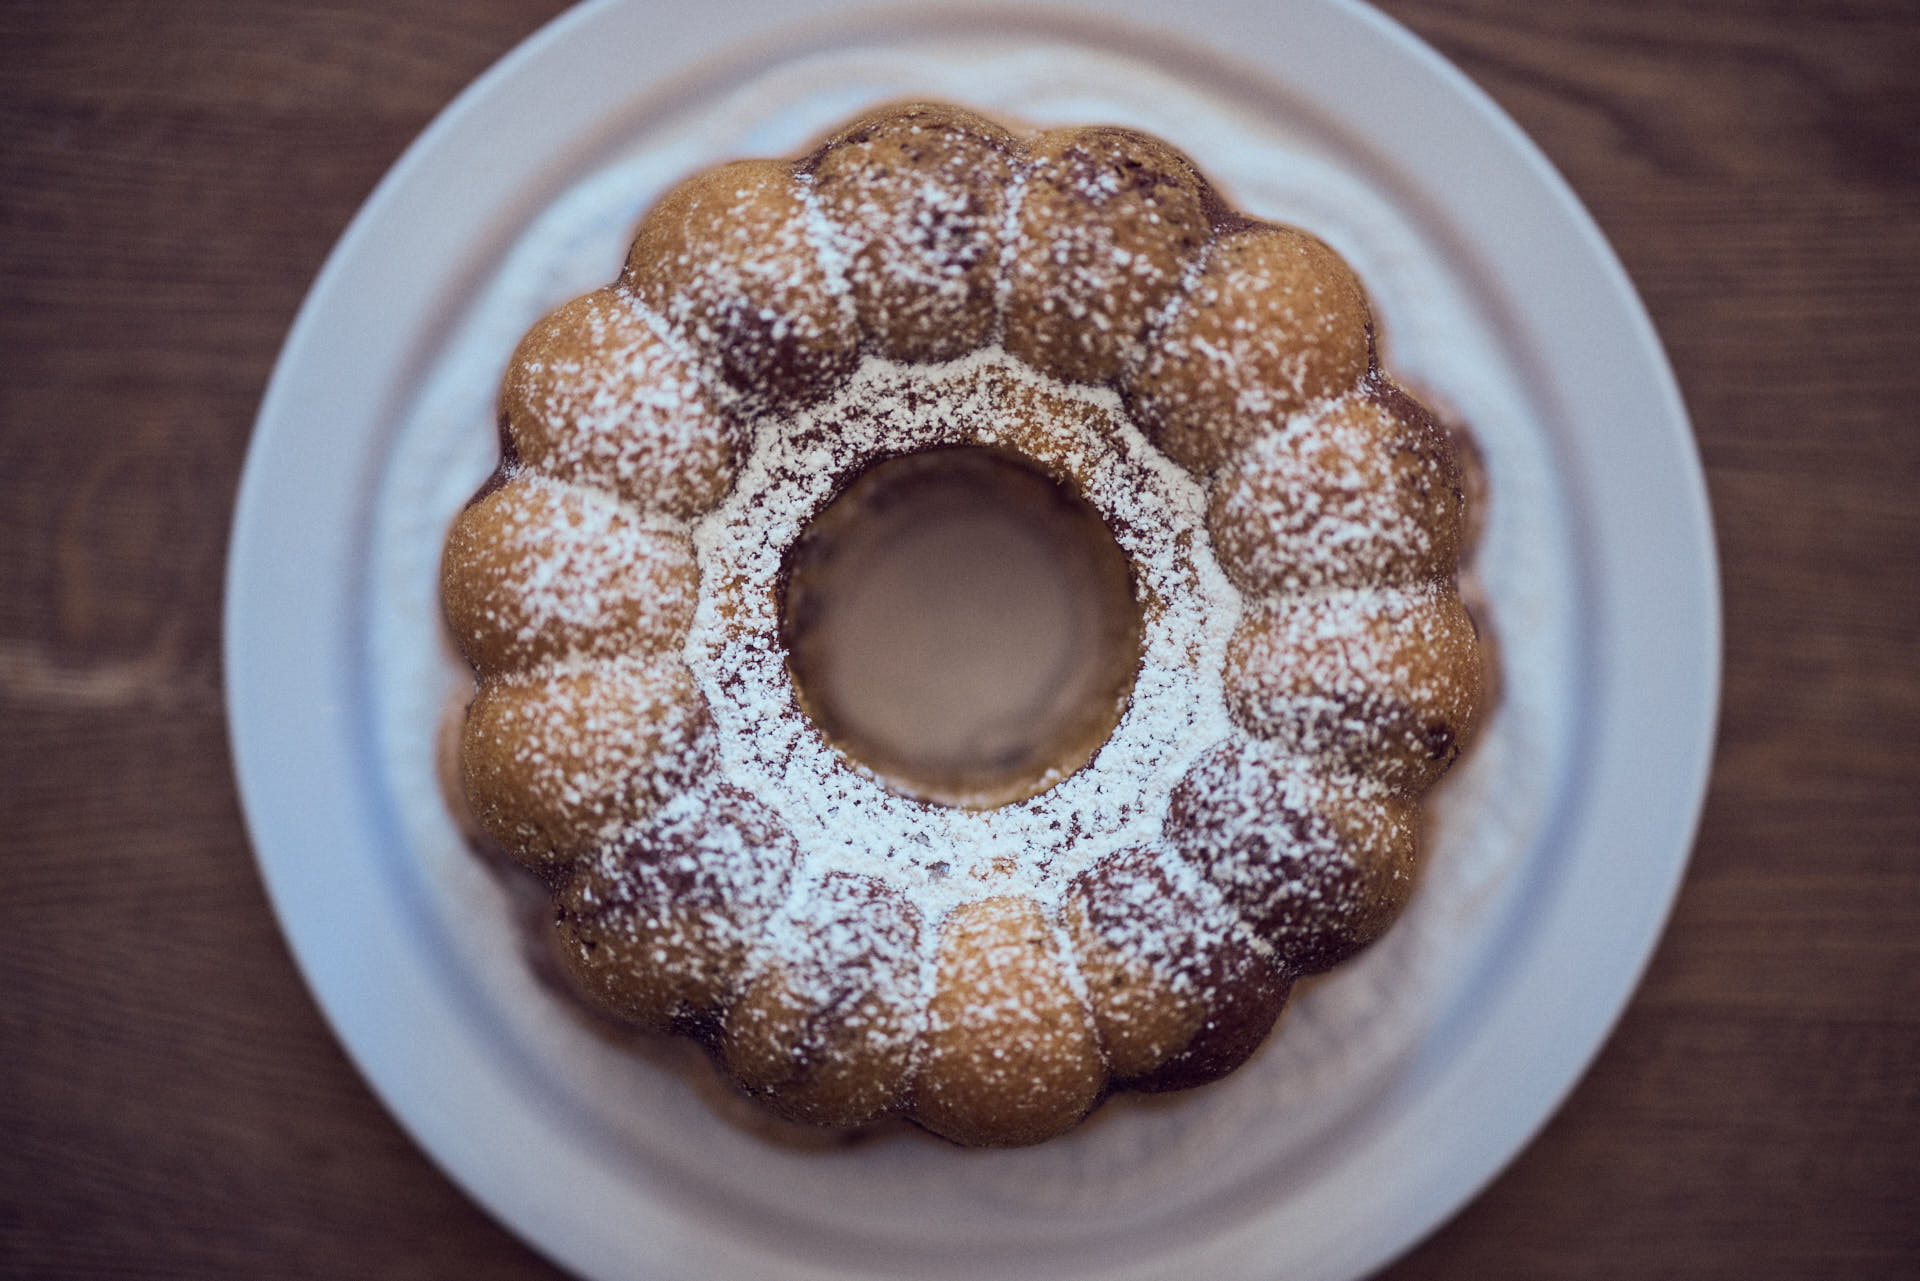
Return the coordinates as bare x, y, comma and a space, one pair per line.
1130, 915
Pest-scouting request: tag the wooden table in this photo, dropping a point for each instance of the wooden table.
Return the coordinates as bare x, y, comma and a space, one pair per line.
171, 177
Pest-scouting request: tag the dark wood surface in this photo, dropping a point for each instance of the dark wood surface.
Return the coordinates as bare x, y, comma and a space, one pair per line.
171, 177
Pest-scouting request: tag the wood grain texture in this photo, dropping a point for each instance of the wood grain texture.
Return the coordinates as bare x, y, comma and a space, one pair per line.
171, 178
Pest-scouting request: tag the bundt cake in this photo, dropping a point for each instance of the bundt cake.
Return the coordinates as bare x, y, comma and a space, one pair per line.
987, 944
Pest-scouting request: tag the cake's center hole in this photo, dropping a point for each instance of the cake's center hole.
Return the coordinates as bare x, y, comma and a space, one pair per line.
963, 625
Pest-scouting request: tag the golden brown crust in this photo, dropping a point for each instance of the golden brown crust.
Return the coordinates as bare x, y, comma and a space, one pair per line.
629, 589
657, 928
1388, 681
1366, 492
1108, 226
919, 195
1276, 322
1315, 872
1244, 351
1009, 1056
828, 1037
728, 257
1144, 1012
555, 762
597, 396
1179, 993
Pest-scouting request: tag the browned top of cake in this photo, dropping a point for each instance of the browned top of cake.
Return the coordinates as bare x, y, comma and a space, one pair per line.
1081, 299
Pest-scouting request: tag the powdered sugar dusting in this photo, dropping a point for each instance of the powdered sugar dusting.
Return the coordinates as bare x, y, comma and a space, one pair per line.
564, 759
601, 392
845, 818
1265, 764
911, 203
1359, 490
542, 571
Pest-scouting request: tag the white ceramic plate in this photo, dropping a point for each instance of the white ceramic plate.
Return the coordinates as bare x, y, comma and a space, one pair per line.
1395, 1088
